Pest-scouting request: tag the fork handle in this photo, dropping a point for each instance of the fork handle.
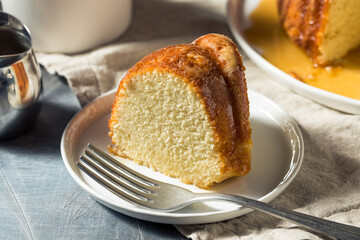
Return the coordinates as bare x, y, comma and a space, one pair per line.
326, 227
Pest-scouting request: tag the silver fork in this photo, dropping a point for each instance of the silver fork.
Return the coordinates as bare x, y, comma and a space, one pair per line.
159, 196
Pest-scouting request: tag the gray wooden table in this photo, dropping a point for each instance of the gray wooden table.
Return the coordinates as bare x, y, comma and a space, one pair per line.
39, 199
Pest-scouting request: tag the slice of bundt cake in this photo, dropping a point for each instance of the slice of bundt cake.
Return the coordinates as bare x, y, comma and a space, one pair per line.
183, 111
326, 29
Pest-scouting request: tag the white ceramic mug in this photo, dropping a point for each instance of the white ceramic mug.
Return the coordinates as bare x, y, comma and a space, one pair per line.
71, 26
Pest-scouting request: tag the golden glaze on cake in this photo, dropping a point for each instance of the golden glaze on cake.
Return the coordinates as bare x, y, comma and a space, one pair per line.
225, 55
267, 35
327, 30
304, 22
211, 70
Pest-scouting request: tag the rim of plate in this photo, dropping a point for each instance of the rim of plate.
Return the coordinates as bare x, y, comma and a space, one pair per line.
174, 217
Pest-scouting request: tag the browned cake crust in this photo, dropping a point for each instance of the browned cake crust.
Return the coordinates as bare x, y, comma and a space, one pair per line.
212, 68
304, 22
226, 56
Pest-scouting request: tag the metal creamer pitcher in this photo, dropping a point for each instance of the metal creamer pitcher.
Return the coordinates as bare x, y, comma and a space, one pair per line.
20, 78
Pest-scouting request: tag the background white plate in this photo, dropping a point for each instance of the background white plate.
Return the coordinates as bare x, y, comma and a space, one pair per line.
276, 158
238, 20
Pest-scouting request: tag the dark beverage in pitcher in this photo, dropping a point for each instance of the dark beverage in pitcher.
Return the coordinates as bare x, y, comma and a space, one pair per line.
12, 42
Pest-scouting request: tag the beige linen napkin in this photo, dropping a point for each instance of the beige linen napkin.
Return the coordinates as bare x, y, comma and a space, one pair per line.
94, 73
328, 183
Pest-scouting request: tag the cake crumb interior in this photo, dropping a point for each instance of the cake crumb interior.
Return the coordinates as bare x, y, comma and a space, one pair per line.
165, 127
341, 33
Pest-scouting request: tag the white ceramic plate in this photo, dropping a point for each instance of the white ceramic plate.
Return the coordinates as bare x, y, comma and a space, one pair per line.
238, 20
276, 158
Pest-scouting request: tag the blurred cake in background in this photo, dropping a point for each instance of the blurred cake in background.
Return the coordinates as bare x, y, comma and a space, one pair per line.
326, 29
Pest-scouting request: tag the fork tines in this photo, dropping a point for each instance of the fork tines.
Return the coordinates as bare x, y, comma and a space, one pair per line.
116, 177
